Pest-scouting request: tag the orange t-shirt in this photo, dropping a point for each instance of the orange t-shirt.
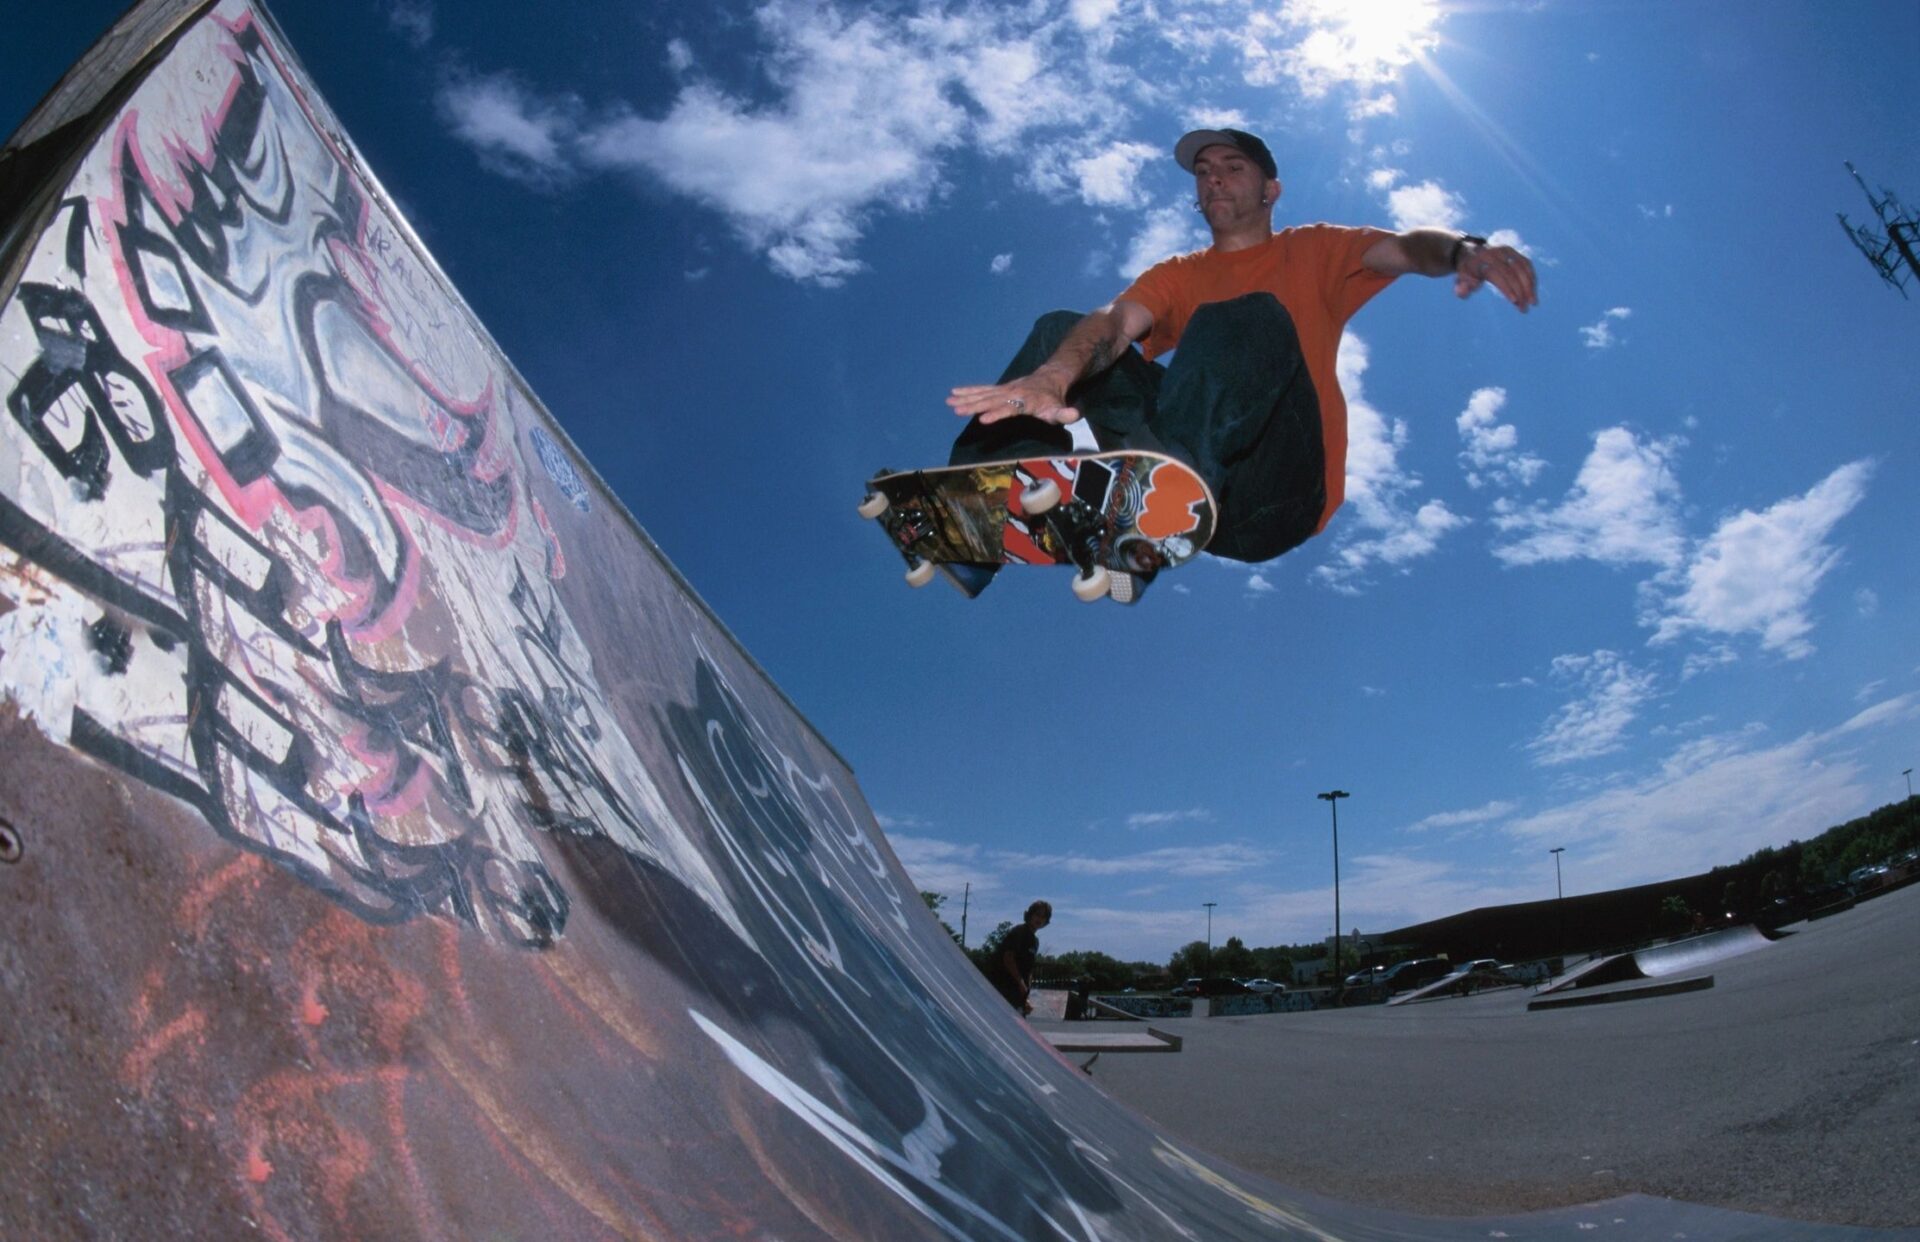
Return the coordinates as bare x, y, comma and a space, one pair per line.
1314, 271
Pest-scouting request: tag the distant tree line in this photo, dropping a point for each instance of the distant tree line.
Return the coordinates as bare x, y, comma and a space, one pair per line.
1744, 889
1830, 857
1108, 973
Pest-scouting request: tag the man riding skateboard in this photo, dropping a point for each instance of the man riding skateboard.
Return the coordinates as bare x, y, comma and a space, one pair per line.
1251, 400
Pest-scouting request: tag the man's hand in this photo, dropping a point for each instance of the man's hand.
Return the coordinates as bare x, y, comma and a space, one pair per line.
1442, 252
1503, 267
1031, 395
1093, 345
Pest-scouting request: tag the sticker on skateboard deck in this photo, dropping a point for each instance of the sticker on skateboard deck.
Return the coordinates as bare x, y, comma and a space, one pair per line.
1135, 513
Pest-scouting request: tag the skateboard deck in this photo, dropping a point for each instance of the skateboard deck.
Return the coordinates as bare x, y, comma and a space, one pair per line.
1132, 512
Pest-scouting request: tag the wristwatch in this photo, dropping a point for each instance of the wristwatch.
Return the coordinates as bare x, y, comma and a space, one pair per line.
1453, 255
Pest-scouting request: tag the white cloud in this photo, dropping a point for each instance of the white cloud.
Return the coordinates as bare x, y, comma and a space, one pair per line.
941, 866
414, 19
1110, 178
1166, 231
844, 113
1623, 509
1757, 573
1698, 662
1380, 523
1492, 454
516, 134
1428, 204
1323, 46
1187, 861
1897, 710
1001, 265
864, 112
1217, 118
1713, 801
1600, 335
1105, 175
1458, 819
1160, 819
1093, 14
1611, 694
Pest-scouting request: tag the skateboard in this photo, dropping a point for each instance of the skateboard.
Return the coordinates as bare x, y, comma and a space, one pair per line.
1113, 516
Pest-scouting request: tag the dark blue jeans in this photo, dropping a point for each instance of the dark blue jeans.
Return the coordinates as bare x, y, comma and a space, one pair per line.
1236, 404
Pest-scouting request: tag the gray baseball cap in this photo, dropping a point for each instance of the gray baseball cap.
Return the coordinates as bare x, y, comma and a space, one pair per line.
1190, 145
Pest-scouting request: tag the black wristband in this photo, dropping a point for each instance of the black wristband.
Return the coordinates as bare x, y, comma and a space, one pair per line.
1453, 255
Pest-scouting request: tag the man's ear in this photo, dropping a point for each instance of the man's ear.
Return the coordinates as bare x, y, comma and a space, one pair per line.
1272, 192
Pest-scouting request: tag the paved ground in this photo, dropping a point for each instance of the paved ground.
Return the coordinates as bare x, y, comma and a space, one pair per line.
1791, 1088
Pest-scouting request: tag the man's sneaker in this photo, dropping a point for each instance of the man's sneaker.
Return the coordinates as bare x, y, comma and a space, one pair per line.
1126, 588
971, 578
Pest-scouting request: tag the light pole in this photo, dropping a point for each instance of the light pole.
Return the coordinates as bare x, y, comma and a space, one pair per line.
1909, 775
1332, 799
1208, 972
1559, 896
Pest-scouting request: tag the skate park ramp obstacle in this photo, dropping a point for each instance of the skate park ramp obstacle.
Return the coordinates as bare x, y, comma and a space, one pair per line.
1463, 982
374, 870
1660, 961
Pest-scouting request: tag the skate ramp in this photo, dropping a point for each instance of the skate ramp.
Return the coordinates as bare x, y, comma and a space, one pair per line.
1459, 983
1661, 960
392, 844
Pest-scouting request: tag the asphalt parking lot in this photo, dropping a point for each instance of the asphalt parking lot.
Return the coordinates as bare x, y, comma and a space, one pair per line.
1790, 1088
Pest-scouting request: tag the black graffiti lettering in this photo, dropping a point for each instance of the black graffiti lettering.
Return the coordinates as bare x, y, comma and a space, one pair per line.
220, 402
205, 544
79, 393
548, 726
407, 711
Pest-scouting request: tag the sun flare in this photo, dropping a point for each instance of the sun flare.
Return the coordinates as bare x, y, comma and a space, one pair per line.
1367, 38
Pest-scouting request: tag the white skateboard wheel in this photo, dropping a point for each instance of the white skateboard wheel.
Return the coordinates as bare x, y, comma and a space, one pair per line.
1091, 586
1040, 499
920, 574
874, 505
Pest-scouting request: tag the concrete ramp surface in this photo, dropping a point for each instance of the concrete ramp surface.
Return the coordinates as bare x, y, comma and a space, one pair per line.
1660, 960
379, 872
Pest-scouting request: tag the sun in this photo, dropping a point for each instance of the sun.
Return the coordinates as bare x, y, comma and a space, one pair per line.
1367, 39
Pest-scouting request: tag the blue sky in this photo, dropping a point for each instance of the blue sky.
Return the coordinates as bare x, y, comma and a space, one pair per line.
1632, 574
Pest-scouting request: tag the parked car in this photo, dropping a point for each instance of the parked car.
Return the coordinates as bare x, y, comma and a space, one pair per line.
1866, 879
1412, 974
1222, 987
1190, 988
1364, 978
1264, 986
1480, 966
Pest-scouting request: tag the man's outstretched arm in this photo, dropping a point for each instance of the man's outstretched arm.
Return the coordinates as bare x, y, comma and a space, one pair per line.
1094, 344
1471, 263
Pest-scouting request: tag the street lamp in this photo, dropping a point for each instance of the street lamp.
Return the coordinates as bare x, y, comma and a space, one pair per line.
1209, 905
1332, 799
1909, 775
1559, 895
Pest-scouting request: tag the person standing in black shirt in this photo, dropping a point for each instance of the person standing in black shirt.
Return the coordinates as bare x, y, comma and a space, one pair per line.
1012, 970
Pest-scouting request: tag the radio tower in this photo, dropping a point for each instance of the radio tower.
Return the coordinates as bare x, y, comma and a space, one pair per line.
1886, 253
